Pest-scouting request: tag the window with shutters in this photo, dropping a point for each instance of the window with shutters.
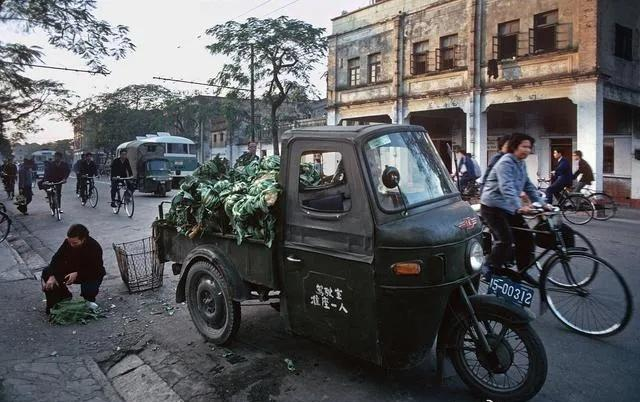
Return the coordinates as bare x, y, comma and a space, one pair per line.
353, 66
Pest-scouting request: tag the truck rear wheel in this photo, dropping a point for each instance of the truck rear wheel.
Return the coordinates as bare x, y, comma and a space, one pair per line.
213, 311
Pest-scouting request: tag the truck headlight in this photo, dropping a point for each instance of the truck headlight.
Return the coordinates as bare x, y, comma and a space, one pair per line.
475, 255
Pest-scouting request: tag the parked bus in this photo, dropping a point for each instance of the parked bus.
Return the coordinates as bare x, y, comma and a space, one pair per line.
179, 151
39, 158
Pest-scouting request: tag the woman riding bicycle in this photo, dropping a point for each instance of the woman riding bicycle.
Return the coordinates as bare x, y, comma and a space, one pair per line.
502, 209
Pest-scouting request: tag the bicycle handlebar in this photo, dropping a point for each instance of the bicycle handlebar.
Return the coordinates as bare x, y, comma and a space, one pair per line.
50, 183
122, 178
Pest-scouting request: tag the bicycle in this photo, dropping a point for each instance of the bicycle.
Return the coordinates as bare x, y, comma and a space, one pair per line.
568, 287
125, 199
52, 197
90, 192
5, 223
604, 206
575, 207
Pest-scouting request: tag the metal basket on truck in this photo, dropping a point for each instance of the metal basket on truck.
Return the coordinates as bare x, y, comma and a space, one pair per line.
140, 268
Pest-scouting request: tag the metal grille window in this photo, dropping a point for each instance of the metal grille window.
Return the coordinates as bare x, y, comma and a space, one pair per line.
545, 31
508, 39
624, 42
354, 71
375, 67
448, 45
419, 58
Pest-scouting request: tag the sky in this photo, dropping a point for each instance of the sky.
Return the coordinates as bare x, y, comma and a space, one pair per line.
170, 42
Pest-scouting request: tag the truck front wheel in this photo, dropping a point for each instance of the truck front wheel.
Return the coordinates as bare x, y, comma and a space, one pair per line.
213, 311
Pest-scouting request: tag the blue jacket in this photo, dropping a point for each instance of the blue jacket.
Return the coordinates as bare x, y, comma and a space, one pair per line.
563, 172
490, 166
504, 184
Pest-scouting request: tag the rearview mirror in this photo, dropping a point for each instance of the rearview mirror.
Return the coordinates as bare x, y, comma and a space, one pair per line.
391, 177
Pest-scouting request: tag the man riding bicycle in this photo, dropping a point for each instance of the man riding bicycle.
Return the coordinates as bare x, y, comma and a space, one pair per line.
86, 168
502, 209
55, 172
120, 167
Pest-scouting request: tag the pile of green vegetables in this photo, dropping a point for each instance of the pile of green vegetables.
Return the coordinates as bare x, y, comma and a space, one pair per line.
73, 312
238, 201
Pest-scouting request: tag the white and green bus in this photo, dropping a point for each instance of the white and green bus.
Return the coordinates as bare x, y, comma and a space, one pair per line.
179, 151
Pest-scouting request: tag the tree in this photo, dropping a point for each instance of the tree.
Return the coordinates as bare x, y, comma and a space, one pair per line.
110, 119
69, 25
285, 52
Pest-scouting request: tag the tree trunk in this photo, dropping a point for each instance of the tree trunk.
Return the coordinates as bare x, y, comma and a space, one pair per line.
274, 129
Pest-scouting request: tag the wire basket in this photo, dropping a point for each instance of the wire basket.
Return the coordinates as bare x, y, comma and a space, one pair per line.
140, 268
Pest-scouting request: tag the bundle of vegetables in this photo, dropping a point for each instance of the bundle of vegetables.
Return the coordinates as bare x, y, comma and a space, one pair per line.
239, 201
73, 312
309, 175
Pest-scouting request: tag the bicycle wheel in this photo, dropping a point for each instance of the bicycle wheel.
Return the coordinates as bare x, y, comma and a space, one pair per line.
5, 226
93, 196
605, 207
581, 244
128, 203
599, 306
52, 204
118, 203
56, 208
577, 209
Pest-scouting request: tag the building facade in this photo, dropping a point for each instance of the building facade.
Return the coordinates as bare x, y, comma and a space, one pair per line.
566, 72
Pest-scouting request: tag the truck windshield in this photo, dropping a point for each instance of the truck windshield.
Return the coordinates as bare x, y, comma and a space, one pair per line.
157, 165
422, 175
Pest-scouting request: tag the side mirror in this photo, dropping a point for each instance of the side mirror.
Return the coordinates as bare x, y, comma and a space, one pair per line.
391, 177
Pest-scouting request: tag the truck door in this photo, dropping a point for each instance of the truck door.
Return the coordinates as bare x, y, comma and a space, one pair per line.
328, 248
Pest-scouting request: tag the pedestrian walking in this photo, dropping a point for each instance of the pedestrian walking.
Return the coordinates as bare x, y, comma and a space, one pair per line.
77, 261
25, 181
9, 173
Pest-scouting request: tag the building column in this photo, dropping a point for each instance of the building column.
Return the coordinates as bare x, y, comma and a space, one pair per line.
476, 131
590, 129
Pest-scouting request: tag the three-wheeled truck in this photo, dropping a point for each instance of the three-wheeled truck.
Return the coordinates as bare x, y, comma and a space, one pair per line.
378, 259
149, 167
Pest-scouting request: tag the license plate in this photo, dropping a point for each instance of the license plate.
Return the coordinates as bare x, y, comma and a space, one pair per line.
511, 291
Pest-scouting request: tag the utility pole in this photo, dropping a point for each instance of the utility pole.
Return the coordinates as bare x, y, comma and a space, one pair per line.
253, 109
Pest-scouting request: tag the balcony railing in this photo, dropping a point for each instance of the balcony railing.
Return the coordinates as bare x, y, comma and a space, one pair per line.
549, 38
433, 61
538, 40
444, 61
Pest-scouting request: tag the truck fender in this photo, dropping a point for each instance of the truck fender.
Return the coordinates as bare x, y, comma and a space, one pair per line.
213, 255
515, 315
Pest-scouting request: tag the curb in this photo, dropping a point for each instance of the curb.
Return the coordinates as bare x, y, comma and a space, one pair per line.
101, 379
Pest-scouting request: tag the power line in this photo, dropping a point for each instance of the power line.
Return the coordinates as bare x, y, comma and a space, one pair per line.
60, 68
254, 8
280, 8
201, 83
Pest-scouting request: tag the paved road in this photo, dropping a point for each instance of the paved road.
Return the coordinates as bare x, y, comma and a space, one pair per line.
253, 368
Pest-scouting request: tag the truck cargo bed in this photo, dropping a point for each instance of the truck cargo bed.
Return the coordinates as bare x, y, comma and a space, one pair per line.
253, 260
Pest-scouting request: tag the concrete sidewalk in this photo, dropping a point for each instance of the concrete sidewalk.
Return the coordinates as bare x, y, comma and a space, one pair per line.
55, 378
